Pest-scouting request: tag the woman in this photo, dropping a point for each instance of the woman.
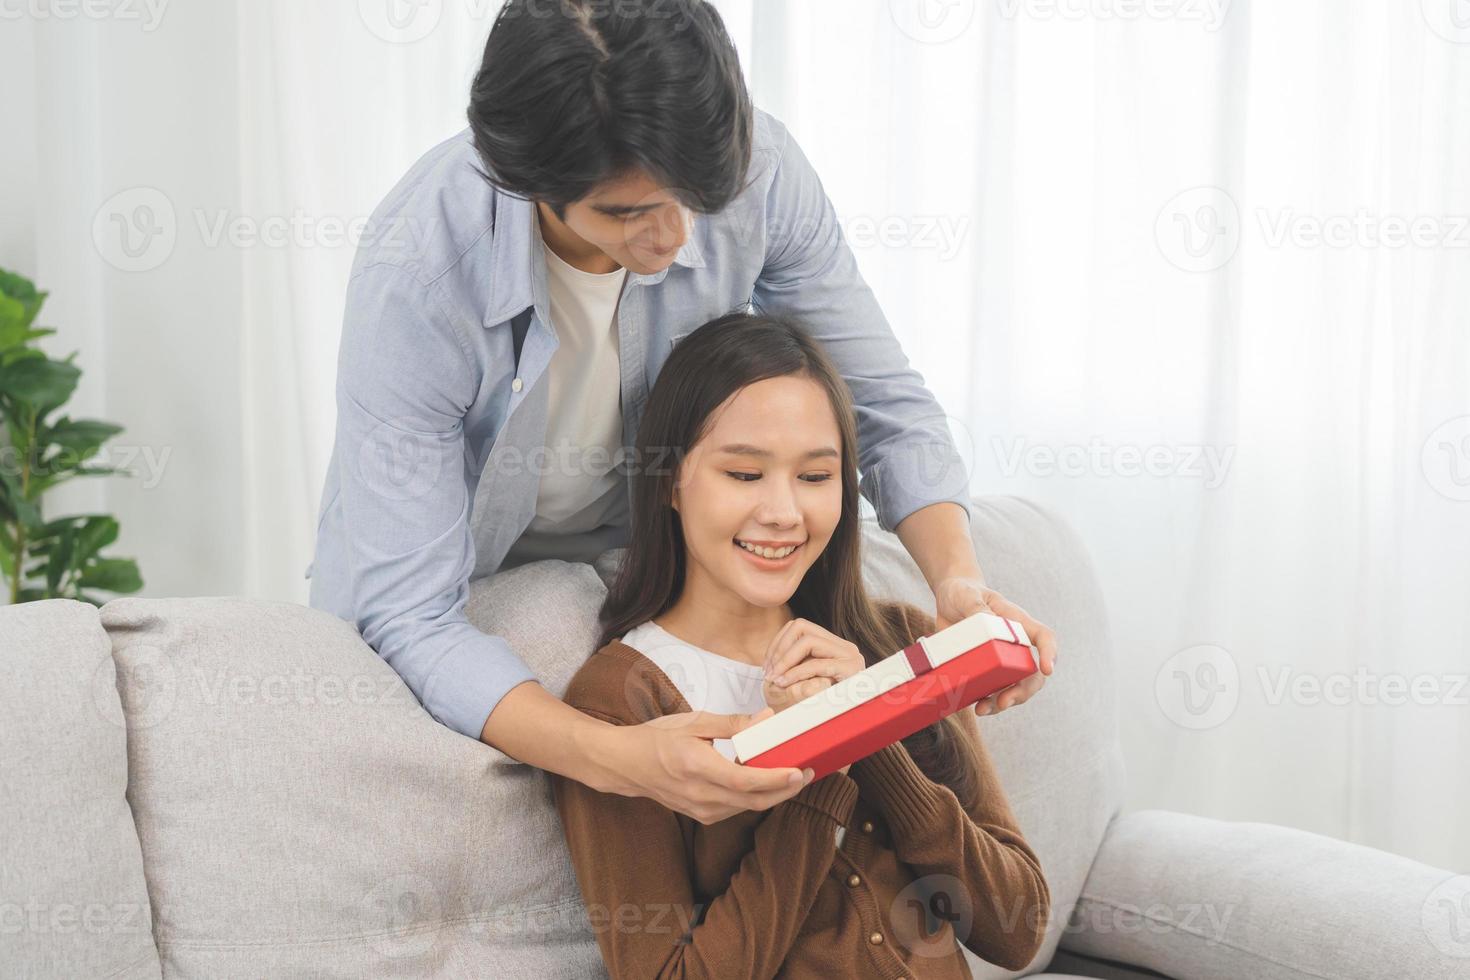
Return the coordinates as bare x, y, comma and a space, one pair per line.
745, 557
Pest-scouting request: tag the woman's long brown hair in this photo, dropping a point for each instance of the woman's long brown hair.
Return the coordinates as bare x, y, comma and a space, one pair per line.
706, 368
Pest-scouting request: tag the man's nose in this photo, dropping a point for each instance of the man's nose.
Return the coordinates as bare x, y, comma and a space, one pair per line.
671, 228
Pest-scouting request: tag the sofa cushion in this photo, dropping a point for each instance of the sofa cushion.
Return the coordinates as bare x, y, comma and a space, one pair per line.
73, 901
301, 814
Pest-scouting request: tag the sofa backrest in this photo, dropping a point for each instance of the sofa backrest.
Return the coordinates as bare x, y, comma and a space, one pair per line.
301, 814
73, 901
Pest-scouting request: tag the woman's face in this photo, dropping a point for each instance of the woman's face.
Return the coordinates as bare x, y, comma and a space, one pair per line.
767, 474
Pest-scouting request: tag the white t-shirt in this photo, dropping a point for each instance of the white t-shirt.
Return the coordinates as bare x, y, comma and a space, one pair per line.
580, 491
708, 681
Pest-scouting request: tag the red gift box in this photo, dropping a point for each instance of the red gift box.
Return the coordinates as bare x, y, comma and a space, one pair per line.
890, 700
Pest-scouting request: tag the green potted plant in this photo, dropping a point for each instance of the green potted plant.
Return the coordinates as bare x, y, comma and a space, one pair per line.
39, 558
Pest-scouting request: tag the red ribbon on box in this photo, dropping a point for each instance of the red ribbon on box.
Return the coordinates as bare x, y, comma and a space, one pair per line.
918, 659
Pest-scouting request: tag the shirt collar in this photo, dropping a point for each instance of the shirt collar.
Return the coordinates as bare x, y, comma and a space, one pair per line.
518, 268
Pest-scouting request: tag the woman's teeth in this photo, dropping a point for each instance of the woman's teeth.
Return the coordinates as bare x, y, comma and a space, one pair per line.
767, 552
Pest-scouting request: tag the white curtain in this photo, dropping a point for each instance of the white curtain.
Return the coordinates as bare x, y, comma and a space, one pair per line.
1194, 274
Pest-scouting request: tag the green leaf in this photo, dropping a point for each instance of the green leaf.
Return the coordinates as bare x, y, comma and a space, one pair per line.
21, 289
33, 595
23, 510
7, 560
40, 382
113, 575
83, 437
96, 533
61, 556
19, 354
12, 322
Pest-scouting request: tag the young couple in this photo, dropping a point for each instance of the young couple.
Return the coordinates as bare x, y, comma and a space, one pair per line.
616, 190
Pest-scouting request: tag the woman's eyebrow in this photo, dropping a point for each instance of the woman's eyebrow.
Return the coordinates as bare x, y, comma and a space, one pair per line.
742, 449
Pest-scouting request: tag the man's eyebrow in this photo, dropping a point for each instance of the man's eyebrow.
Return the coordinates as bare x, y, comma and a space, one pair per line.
742, 449
623, 210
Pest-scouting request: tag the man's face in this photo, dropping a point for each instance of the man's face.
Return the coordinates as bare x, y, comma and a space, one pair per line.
633, 221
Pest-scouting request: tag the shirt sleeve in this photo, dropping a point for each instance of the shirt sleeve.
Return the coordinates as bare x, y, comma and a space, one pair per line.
404, 384
633, 872
907, 455
982, 846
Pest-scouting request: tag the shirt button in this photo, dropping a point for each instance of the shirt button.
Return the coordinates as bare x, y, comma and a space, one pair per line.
517, 385
867, 826
853, 880
876, 938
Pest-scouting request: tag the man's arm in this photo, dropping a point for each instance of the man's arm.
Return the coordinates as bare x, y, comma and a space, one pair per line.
404, 384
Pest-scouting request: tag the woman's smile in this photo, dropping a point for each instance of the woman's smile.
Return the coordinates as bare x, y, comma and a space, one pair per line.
782, 559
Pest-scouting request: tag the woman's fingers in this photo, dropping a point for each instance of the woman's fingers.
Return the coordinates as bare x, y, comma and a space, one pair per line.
810, 668
780, 645
809, 645
779, 641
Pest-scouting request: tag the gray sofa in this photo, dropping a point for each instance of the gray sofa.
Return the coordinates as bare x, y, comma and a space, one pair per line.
220, 787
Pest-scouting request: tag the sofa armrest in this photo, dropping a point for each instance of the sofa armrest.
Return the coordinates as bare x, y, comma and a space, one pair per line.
1201, 899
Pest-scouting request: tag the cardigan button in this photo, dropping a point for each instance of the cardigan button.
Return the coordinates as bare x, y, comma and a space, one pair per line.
867, 826
853, 880
517, 385
876, 938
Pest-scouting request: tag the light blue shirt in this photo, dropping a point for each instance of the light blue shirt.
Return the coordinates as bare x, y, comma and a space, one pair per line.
432, 476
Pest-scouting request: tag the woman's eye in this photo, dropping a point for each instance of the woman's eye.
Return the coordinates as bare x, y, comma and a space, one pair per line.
750, 477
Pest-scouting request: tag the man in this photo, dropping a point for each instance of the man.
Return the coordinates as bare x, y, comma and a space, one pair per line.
615, 190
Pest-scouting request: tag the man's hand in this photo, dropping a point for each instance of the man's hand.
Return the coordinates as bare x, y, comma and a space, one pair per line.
671, 760
957, 598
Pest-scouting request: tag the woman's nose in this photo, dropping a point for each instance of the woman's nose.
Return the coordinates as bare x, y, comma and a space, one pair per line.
778, 506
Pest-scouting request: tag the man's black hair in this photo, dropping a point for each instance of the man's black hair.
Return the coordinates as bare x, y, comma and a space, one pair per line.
572, 93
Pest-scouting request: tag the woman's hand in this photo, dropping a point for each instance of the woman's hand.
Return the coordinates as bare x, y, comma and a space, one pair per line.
957, 598
670, 760
803, 659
